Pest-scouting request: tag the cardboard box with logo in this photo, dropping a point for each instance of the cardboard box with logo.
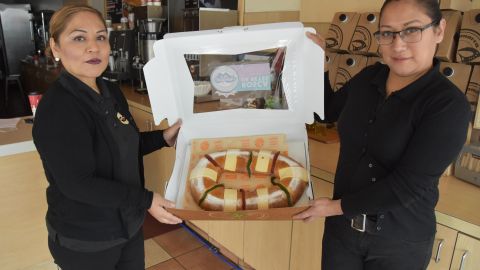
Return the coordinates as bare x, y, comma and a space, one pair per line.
363, 41
341, 31
212, 143
457, 73
349, 65
468, 51
331, 65
448, 47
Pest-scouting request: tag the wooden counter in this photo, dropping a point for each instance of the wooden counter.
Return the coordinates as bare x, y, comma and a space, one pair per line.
140, 101
18, 140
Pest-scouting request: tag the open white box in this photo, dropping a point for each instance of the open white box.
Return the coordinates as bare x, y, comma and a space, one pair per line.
171, 92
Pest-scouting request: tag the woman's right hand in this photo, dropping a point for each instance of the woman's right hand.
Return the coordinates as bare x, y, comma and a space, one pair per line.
317, 39
158, 211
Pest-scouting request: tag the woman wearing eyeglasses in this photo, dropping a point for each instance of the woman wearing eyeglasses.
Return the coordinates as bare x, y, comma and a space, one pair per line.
400, 125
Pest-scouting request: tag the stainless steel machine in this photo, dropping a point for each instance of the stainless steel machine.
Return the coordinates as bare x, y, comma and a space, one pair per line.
151, 24
149, 31
40, 27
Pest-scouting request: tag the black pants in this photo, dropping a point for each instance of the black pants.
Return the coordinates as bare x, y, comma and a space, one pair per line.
347, 249
127, 256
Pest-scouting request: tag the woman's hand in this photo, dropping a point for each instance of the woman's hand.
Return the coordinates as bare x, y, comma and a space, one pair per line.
317, 39
170, 134
157, 210
323, 207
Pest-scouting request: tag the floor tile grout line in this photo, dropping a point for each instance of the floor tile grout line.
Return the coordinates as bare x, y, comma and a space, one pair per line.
179, 263
181, 254
188, 252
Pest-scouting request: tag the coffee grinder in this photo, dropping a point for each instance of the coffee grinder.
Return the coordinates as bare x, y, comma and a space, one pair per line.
151, 26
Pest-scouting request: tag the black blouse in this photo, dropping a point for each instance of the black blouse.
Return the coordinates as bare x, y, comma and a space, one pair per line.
92, 153
394, 149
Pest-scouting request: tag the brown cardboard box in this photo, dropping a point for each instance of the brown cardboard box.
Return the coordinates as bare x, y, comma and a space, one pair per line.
456, 73
199, 147
462, 5
469, 41
349, 65
373, 60
341, 31
331, 65
363, 41
447, 48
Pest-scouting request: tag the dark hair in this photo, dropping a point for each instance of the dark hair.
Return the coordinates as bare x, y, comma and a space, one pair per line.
62, 17
430, 7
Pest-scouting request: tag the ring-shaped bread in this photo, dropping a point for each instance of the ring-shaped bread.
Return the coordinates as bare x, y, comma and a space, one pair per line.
287, 177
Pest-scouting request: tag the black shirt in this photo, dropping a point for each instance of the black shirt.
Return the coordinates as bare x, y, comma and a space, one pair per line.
394, 149
92, 152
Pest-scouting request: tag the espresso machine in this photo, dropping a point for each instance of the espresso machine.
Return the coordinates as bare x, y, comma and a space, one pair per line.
151, 22
40, 23
122, 44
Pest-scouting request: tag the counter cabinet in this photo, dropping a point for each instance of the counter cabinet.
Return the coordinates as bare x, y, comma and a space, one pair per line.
158, 165
454, 250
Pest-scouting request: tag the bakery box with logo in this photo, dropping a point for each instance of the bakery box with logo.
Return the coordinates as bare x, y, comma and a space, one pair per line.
363, 41
349, 65
461, 5
248, 158
447, 48
331, 65
456, 73
468, 51
341, 31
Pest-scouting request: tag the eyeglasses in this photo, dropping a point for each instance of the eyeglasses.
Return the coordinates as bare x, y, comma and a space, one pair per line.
409, 35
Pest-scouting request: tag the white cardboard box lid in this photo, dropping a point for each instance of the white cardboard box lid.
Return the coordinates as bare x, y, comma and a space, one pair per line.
171, 87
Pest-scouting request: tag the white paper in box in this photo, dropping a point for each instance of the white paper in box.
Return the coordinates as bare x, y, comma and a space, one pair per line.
171, 89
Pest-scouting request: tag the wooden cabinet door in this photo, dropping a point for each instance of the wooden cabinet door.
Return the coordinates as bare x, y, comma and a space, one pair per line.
158, 165
229, 234
442, 248
306, 252
467, 253
267, 244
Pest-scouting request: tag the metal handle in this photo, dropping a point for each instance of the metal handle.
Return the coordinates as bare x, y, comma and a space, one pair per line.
464, 256
439, 249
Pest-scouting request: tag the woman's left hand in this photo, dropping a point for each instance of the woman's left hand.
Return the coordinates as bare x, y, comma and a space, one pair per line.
323, 207
170, 134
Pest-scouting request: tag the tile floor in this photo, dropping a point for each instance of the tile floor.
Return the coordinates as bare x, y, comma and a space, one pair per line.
174, 247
